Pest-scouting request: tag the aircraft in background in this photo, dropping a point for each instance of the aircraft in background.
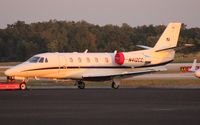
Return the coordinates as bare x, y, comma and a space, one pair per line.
82, 67
195, 69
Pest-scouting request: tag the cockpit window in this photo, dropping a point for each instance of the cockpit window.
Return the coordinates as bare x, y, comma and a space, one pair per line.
46, 60
34, 59
41, 60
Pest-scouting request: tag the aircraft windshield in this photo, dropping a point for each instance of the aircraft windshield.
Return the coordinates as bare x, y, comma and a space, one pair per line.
34, 59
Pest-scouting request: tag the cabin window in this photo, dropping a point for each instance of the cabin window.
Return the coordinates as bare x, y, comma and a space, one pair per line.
70, 60
41, 60
79, 59
46, 60
96, 59
34, 59
88, 60
106, 60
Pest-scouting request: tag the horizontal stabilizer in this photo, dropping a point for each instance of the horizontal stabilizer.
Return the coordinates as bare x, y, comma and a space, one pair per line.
159, 50
144, 47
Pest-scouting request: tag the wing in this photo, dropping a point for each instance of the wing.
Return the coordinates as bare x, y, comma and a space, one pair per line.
121, 75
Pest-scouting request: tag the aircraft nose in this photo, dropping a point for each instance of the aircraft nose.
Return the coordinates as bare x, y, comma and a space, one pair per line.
10, 72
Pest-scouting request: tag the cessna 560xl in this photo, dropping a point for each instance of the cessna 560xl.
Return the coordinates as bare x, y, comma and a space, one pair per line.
82, 67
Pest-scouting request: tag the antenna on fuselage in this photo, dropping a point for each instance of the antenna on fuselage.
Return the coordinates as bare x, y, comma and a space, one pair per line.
86, 51
115, 51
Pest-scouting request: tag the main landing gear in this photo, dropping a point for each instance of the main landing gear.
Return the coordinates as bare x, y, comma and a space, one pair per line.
80, 84
115, 85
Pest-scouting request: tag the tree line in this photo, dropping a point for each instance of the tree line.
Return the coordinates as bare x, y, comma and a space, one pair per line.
19, 41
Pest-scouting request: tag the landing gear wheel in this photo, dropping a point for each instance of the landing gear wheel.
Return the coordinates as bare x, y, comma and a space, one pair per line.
23, 86
81, 85
114, 85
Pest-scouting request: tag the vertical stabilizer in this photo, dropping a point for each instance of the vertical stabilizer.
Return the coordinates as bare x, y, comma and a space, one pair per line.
169, 38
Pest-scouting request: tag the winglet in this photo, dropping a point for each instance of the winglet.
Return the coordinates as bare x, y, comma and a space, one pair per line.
144, 47
86, 51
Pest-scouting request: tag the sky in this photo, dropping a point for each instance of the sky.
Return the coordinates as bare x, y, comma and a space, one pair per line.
102, 12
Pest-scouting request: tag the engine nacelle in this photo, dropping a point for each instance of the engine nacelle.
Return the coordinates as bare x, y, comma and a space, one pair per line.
119, 58
130, 59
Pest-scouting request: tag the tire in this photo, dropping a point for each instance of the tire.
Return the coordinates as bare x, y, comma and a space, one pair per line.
23, 86
81, 85
114, 85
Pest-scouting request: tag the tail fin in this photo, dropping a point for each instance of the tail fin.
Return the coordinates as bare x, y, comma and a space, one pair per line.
193, 68
169, 38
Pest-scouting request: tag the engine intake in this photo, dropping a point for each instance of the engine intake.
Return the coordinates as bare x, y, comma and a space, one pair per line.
119, 58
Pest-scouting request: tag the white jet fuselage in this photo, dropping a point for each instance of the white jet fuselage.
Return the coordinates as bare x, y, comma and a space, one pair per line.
77, 65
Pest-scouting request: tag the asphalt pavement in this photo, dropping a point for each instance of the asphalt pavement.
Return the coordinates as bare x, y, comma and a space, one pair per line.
100, 107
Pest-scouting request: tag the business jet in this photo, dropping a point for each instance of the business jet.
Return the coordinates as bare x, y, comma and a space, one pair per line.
86, 66
195, 69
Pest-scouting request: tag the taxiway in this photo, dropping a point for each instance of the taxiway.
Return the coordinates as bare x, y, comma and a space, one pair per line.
100, 107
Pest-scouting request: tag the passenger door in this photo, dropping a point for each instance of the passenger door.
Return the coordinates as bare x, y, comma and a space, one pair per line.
62, 65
